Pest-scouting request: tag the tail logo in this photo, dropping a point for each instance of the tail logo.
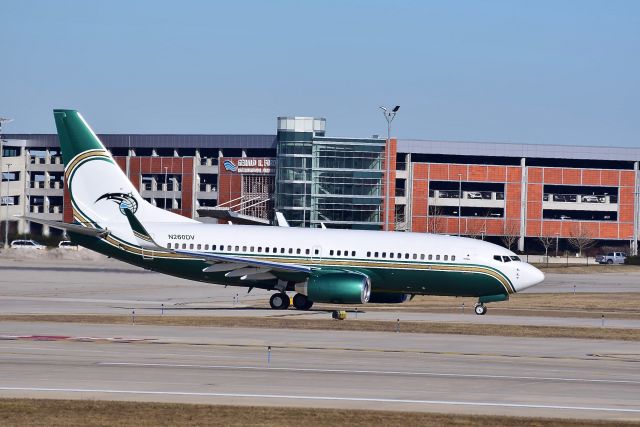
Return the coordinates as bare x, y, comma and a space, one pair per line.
124, 201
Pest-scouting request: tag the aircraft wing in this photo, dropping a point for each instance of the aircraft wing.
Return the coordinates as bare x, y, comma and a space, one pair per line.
235, 266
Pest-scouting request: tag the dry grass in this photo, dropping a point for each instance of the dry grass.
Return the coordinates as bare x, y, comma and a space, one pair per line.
588, 269
43, 412
613, 305
292, 322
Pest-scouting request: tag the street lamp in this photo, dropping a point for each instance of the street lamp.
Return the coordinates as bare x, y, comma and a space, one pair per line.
6, 203
389, 115
4, 120
557, 236
459, 200
165, 189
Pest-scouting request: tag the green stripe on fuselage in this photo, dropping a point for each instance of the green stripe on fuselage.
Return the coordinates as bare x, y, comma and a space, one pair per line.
415, 278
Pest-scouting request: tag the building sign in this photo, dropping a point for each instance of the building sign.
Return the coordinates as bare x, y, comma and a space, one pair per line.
250, 165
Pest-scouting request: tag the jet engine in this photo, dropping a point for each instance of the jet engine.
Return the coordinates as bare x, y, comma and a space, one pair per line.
337, 288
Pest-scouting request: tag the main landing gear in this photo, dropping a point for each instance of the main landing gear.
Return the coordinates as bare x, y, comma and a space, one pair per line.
301, 302
480, 309
280, 301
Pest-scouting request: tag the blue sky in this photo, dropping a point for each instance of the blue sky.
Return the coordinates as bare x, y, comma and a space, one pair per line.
548, 72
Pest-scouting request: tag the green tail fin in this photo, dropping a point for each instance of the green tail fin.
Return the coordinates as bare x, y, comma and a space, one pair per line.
74, 134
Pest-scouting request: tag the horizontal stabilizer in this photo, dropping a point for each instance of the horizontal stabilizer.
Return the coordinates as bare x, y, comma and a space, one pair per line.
73, 228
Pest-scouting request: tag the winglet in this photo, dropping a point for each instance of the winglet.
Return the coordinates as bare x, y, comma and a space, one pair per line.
141, 234
282, 221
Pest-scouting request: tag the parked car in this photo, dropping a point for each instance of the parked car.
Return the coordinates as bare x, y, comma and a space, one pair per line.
591, 199
474, 195
67, 244
611, 258
26, 244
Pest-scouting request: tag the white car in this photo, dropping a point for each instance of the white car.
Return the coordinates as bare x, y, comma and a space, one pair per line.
67, 244
26, 244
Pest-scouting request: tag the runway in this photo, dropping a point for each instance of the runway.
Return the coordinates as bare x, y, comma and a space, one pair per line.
339, 369
487, 375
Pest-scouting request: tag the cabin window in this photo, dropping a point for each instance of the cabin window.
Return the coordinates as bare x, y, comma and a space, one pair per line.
430, 257
506, 259
244, 249
453, 257
237, 248
376, 254
298, 251
229, 248
339, 253
213, 247
259, 248
390, 254
252, 249
446, 257
353, 253
191, 246
368, 254
515, 258
307, 251
422, 256
316, 251
281, 250
266, 249
168, 245
437, 257
184, 246
384, 254
331, 252
199, 246
399, 255
221, 248
406, 256
290, 250
497, 258
206, 247
415, 256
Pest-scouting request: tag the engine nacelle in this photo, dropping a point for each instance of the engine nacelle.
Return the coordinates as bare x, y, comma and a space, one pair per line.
388, 298
337, 288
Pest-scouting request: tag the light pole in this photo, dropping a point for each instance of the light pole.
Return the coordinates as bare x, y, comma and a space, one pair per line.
557, 236
459, 200
389, 115
6, 203
4, 120
165, 189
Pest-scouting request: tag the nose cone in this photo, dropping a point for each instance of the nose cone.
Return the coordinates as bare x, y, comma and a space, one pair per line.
529, 276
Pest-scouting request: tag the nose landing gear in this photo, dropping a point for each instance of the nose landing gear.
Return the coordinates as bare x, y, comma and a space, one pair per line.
480, 309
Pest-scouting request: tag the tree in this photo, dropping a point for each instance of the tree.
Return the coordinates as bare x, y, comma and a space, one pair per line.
435, 221
511, 234
581, 238
546, 242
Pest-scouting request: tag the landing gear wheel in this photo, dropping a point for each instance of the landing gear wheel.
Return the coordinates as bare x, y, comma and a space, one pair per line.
301, 302
480, 309
279, 301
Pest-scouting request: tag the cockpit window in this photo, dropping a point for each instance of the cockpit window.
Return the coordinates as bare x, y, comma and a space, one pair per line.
497, 258
515, 258
506, 259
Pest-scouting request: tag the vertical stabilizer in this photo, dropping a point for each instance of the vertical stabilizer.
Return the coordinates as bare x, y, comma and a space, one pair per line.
99, 189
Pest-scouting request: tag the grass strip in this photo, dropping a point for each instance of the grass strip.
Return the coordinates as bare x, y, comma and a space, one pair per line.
291, 322
45, 412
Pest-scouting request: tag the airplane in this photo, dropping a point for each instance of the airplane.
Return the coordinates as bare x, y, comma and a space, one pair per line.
318, 265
